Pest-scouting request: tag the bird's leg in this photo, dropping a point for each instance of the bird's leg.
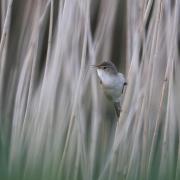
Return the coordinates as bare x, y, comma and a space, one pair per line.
117, 107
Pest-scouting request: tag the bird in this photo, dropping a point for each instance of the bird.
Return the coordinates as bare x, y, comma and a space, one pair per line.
112, 82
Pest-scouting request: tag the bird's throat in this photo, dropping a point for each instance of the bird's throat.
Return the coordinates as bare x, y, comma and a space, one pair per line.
106, 78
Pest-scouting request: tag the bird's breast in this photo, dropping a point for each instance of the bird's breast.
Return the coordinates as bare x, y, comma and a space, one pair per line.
104, 77
112, 84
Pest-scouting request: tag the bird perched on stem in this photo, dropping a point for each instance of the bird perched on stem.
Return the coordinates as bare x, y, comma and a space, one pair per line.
112, 82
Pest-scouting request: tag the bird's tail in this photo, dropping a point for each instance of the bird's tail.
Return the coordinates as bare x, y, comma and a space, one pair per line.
117, 107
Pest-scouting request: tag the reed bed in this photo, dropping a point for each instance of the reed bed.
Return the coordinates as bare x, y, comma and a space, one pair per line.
55, 122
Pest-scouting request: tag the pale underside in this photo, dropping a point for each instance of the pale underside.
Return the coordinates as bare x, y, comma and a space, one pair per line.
112, 85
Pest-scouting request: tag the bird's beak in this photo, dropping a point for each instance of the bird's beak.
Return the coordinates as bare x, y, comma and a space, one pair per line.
97, 66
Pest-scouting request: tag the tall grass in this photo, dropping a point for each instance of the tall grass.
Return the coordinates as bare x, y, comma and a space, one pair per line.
55, 122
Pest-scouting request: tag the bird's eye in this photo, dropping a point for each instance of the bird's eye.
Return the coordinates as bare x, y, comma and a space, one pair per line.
104, 67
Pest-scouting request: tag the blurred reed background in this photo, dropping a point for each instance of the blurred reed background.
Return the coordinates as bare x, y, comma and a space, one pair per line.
55, 122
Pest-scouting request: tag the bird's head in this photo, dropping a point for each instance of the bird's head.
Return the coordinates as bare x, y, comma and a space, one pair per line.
107, 67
